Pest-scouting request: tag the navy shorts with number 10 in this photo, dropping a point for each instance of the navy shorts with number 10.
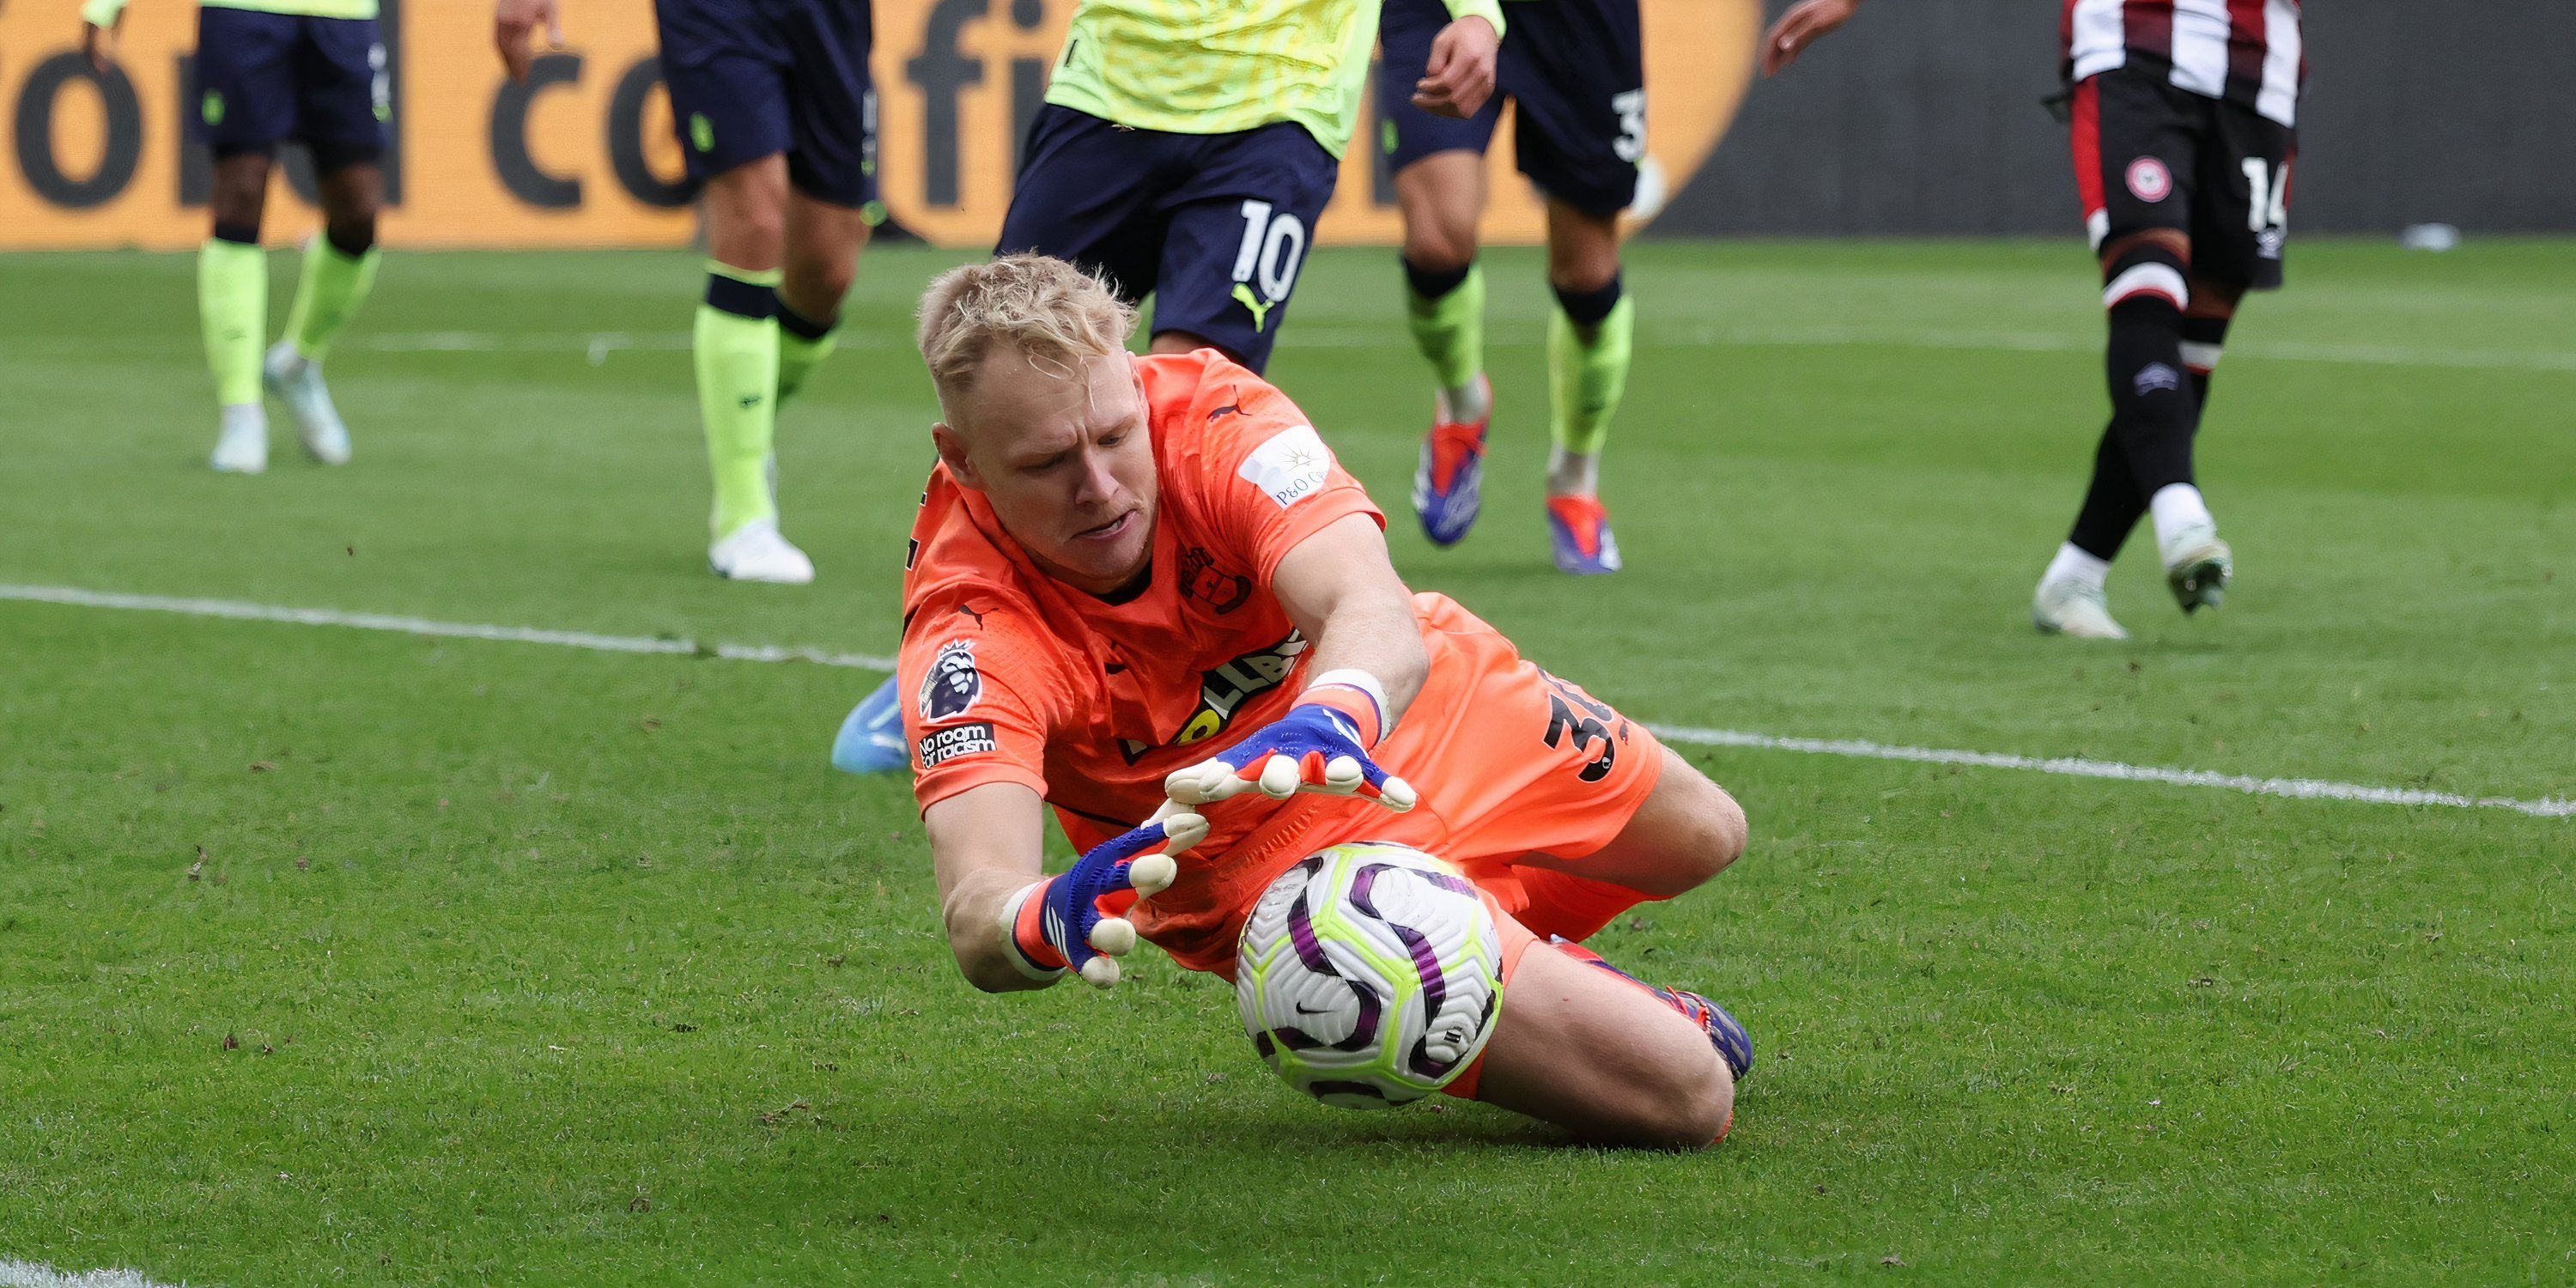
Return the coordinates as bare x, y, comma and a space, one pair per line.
749, 78
1213, 226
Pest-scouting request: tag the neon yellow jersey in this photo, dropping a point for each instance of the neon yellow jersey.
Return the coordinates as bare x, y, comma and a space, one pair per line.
1218, 66
102, 13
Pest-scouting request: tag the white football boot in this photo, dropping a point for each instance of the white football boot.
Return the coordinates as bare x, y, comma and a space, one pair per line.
241, 446
755, 552
2073, 607
297, 382
2197, 567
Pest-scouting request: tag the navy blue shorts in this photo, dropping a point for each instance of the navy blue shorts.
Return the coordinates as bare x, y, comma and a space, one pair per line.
1213, 226
1575, 72
266, 77
749, 78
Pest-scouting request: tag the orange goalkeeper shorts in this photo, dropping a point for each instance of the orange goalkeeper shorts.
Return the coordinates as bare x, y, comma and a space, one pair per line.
1509, 760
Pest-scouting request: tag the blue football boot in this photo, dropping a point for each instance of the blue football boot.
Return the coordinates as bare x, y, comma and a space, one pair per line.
871, 740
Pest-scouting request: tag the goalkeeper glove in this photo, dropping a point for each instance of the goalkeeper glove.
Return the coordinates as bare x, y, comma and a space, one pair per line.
1321, 745
1075, 919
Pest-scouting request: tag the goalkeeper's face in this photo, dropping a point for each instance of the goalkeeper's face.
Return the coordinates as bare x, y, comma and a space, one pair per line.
1065, 457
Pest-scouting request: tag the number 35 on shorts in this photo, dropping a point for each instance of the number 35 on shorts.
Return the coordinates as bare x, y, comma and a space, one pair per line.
1265, 265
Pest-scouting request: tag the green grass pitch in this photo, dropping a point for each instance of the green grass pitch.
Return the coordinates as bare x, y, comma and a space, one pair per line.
334, 956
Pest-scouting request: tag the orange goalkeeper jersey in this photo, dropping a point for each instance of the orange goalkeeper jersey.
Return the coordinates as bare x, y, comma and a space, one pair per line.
1016, 677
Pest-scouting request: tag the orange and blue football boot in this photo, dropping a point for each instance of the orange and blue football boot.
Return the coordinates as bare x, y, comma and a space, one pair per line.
1580, 531
1733, 1044
1447, 483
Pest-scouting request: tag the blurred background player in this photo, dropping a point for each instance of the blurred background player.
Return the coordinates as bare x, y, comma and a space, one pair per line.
1185, 151
1574, 71
2185, 116
777, 118
1290, 689
270, 70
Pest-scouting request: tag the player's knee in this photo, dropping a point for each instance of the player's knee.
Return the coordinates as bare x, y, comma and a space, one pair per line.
1582, 270
2214, 297
239, 191
815, 283
1434, 246
2151, 268
1686, 1105
748, 238
1704, 836
1727, 830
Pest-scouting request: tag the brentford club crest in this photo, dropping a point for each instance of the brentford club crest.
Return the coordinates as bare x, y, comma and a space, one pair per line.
2149, 180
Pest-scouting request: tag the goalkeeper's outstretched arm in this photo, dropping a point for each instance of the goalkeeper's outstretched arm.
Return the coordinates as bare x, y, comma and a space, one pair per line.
1012, 929
1340, 589
988, 843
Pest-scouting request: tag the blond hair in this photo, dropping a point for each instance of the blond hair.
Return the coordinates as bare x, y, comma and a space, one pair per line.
1054, 314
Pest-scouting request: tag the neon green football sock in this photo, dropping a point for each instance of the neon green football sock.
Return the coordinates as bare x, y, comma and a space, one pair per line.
1587, 371
327, 294
1450, 329
232, 306
802, 343
736, 345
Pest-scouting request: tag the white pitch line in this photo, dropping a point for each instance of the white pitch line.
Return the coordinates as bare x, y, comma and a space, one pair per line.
2078, 767
239, 610
29, 1274
2073, 767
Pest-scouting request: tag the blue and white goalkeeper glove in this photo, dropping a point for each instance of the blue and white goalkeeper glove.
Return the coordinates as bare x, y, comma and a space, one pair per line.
1076, 920
1321, 745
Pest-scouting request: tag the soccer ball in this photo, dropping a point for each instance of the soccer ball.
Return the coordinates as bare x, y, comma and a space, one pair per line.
1369, 975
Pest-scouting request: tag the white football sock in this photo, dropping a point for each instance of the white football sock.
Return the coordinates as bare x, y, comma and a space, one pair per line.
2178, 509
1573, 473
2073, 563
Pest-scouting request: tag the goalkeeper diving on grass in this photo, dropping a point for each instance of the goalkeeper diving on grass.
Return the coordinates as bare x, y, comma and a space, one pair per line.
1141, 588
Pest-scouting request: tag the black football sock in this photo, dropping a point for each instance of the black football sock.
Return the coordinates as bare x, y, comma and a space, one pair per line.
2203, 340
2112, 503
2153, 412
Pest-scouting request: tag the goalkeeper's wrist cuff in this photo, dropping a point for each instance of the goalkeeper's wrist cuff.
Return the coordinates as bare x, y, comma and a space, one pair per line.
1357, 694
1023, 925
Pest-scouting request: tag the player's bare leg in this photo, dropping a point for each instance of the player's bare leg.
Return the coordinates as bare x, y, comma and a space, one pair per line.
821, 255
1604, 1058
736, 345
339, 270
1589, 340
1442, 197
1687, 831
232, 306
